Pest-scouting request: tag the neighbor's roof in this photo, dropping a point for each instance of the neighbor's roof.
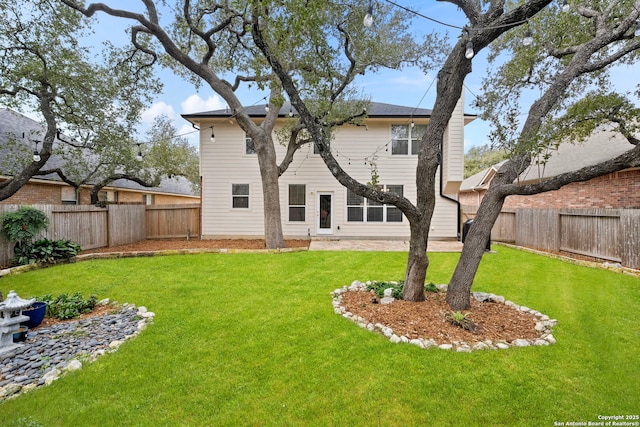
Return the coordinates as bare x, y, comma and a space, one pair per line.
375, 110
601, 146
13, 125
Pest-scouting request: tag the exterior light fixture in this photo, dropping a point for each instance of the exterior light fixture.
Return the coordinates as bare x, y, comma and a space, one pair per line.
36, 154
469, 53
528, 38
290, 111
213, 136
368, 18
139, 155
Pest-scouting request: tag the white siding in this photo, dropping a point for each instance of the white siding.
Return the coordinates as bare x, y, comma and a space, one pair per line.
224, 163
453, 151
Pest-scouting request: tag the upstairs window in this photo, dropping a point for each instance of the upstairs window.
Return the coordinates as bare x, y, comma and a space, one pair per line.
405, 139
249, 148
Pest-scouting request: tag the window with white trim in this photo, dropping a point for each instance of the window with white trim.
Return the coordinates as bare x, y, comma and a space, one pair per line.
361, 209
405, 139
297, 202
249, 147
240, 196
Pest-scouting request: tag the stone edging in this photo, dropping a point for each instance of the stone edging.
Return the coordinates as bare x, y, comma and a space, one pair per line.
74, 363
544, 325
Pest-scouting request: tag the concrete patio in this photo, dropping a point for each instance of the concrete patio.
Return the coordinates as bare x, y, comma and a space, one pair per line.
381, 245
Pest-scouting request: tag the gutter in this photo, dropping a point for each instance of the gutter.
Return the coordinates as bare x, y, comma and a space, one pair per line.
451, 199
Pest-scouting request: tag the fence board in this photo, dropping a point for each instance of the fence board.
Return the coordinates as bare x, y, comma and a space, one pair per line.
537, 228
85, 225
630, 232
592, 232
126, 224
173, 221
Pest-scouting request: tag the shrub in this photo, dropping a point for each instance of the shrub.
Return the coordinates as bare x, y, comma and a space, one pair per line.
379, 287
68, 306
45, 250
22, 225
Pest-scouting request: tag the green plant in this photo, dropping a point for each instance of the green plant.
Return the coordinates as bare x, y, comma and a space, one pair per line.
67, 306
462, 320
430, 287
45, 250
22, 225
379, 288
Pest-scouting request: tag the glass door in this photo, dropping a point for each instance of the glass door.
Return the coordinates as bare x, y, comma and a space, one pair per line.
325, 213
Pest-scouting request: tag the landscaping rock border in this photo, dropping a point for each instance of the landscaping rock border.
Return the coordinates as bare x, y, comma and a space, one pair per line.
544, 324
51, 351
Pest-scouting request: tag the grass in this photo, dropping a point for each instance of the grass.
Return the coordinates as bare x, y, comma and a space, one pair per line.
251, 339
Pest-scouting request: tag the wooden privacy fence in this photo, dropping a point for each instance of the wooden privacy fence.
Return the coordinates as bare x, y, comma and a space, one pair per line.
609, 234
94, 227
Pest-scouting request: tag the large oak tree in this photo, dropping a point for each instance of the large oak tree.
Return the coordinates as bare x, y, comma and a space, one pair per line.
44, 68
320, 45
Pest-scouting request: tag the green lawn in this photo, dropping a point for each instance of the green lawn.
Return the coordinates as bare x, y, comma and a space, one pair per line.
252, 339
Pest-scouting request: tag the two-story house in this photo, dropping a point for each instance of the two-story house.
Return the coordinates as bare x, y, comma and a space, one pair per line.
313, 203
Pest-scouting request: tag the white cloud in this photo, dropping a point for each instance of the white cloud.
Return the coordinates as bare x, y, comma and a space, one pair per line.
195, 104
158, 109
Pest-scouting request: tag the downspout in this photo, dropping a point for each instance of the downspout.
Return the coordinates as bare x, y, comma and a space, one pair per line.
444, 196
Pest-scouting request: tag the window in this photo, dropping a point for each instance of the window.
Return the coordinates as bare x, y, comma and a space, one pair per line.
240, 196
297, 202
68, 196
147, 199
375, 211
249, 148
405, 139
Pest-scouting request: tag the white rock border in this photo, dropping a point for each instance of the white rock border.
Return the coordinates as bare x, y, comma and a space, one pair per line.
544, 324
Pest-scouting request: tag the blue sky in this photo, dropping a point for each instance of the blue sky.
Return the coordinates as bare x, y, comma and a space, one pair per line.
407, 87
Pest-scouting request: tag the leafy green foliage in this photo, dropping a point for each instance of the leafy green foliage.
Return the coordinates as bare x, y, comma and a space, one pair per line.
45, 250
431, 287
23, 225
479, 158
379, 288
68, 306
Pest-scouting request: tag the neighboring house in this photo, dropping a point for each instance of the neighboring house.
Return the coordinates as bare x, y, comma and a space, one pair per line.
313, 203
49, 189
612, 191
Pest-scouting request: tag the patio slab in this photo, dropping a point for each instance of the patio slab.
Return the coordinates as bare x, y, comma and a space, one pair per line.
381, 245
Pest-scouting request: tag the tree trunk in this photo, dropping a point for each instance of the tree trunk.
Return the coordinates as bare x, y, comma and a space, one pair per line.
270, 192
417, 263
459, 289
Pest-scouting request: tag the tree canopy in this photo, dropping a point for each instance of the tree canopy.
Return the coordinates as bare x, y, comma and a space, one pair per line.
44, 67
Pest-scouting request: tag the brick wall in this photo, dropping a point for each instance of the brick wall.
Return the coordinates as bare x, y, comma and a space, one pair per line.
36, 193
614, 191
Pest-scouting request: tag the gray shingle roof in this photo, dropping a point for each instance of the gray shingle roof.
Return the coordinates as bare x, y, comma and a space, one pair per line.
12, 126
601, 146
376, 109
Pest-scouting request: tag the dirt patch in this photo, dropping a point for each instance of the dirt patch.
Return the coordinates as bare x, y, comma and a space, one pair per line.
495, 321
177, 244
